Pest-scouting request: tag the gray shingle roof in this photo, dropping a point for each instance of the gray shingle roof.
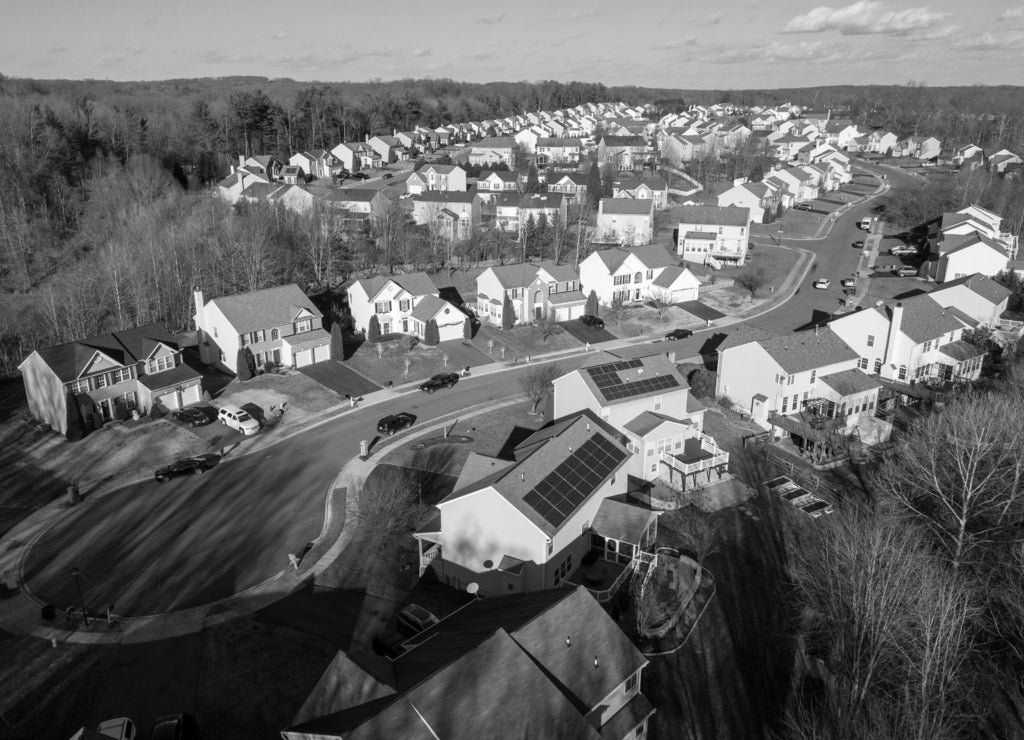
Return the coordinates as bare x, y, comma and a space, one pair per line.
651, 256
627, 206
807, 350
848, 382
263, 309
923, 319
126, 347
415, 283
428, 308
715, 215
985, 287
960, 350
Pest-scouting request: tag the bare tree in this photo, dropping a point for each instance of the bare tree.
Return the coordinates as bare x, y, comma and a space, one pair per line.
700, 532
389, 229
752, 280
660, 301
616, 310
389, 504
536, 383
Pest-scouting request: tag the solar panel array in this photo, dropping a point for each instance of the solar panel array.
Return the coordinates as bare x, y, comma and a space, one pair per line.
613, 388
568, 485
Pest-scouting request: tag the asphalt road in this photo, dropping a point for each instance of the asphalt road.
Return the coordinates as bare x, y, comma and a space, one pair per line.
152, 548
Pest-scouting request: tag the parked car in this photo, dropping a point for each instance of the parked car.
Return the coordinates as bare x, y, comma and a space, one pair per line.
594, 322
858, 244
802, 207
174, 727
880, 208
679, 334
905, 250
193, 417
184, 466
388, 644
121, 728
360, 176
822, 283
848, 282
389, 425
906, 271
237, 419
387, 176
443, 380
414, 619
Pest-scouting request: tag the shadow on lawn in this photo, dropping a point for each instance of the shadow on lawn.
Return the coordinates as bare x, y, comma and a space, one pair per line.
330, 614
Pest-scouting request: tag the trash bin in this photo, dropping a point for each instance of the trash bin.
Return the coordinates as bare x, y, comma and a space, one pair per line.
49, 611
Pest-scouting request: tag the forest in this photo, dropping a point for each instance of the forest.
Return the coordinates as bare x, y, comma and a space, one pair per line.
106, 219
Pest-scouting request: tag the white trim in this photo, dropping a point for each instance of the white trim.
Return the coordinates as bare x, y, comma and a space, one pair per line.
93, 359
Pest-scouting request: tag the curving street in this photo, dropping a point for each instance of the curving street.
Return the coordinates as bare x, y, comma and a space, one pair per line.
154, 548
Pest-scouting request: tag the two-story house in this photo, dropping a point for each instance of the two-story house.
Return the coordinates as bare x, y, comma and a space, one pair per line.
436, 177
760, 199
403, 304
453, 213
626, 221
389, 148
318, 163
919, 147
713, 234
622, 152
280, 326
648, 400
555, 150
494, 150
969, 241
535, 291
650, 188
497, 181
512, 210
356, 155
576, 675
910, 340
266, 164
109, 376
981, 299
882, 142
637, 275
572, 185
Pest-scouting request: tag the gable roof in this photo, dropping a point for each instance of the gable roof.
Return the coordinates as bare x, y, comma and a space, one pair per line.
848, 382
625, 381
669, 276
807, 350
625, 141
414, 283
430, 306
651, 256
126, 347
923, 319
979, 284
715, 215
262, 309
627, 206
494, 142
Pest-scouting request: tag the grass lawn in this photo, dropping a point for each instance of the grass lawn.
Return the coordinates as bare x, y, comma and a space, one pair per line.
776, 262
523, 340
643, 321
304, 395
392, 360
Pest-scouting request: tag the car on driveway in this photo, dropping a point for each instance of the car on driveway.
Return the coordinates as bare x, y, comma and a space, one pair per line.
679, 334
185, 466
906, 271
903, 251
237, 419
193, 417
592, 321
802, 207
414, 619
437, 382
822, 283
389, 425
360, 176
858, 244
848, 282
121, 728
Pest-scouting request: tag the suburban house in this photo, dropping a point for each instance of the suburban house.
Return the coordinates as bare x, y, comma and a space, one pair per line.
536, 291
713, 234
648, 400
264, 164
436, 177
293, 175
557, 150
651, 188
280, 326
798, 181
357, 155
497, 181
981, 299
1002, 160
919, 147
403, 304
453, 213
512, 210
575, 675
627, 221
231, 188
318, 163
679, 148
761, 200
494, 150
571, 184
637, 275
882, 142
369, 201
622, 152
109, 376
526, 524
389, 148
970, 241
910, 340
811, 383
839, 132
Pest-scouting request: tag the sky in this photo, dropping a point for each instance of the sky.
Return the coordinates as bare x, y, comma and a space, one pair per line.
728, 44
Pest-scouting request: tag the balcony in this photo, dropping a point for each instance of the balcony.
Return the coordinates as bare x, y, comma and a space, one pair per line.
699, 453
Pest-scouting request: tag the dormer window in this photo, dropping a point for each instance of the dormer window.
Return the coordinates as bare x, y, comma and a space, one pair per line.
303, 325
160, 364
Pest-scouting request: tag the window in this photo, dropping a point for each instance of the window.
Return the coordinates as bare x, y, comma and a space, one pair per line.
275, 335
80, 386
806, 394
903, 372
796, 399
862, 363
129, 400
814, 374
638, 277
620, 280
785, 402
215, 332
223, 358
382, 307
790, 379
563, 569
307, 324
871, 340
259, 336
404, 304
159, 364
102, 381
244, 340
928, 345
654, 468
550, 547
878, 365
650, 274
632, 682
124, 374
657, 403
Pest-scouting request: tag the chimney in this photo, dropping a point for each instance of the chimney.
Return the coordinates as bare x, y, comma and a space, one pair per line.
241, 160
197, 296
895, 323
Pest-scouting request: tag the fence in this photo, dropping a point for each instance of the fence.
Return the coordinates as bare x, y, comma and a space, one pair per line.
719, 283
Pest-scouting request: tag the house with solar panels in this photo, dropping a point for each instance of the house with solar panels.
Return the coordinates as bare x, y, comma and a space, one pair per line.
649, 401
552, 515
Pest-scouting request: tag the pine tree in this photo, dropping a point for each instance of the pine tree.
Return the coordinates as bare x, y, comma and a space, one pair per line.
75, 423
373, 330
467, 328
431, 335
594, 186
591, 309
337, 343
242, 369
532, 180
508, 314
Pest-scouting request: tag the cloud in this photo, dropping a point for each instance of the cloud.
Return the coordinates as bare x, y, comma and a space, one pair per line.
109, 60
998, 41
489, 20
677, 44
817, 52
57, 49
865, 17
1011, 14
713, 20
280, 35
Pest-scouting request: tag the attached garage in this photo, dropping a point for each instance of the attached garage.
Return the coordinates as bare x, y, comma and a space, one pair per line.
303, 357
322, 353
176, 398
308, 347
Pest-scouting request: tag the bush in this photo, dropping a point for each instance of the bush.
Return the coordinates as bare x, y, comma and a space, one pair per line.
431, 335
373, 330
725, 402
702, 383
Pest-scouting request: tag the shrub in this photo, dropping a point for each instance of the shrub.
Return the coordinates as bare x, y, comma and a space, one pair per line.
431, 335
702, 383
373, 330
75, 422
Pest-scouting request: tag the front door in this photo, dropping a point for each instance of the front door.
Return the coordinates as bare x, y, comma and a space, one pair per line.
276, 355
107, 409
405, 326
636, 294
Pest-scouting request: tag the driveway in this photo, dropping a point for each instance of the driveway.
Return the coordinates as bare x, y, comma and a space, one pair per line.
701, 310
340, 379
586, 333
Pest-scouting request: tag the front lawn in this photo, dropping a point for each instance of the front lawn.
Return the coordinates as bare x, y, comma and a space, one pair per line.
305, 397
394, 361
643, 321
525, 340
777, 264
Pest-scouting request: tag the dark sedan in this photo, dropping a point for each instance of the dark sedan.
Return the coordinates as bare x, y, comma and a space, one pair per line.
592, 321
679, 334
437, 382
193, 417
389, 425
185, 466
858, 245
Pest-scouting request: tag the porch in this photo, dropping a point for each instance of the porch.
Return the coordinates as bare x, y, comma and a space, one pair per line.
700, 454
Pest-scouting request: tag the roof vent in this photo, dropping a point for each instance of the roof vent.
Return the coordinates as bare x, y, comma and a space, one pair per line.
568, 642
639, 371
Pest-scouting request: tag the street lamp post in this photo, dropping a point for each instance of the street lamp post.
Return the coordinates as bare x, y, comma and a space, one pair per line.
81, 599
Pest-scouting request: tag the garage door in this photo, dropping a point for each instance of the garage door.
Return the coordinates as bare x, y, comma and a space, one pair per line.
191, 395
322, 353
169, 401
304, 357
